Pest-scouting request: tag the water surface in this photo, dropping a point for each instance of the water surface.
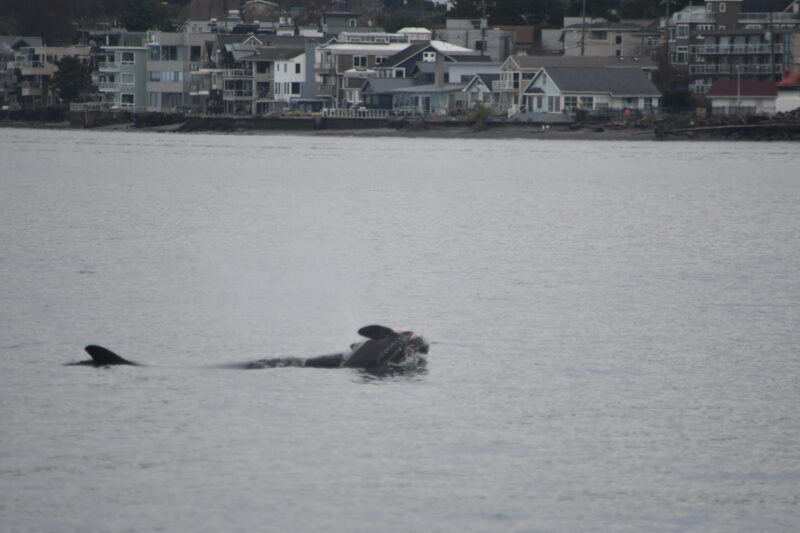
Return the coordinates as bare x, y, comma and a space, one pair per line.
614, 329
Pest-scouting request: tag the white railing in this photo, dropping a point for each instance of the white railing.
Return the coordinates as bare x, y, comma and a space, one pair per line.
28, 64
108, 66
237, 73
502, 85
407, 110
767, 17
108, 85
355, 113
732, 69
237, 93
90, 106
737, 49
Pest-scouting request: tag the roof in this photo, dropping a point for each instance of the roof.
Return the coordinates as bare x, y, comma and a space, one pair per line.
616, 81
484, 78
7, 42
386, 85
432, 88
275, 54
743, 88
607, 26
790, 81
537, 62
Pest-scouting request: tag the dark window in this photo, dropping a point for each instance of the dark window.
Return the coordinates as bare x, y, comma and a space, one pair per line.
295, 88
262, 67
195, 53
297, 68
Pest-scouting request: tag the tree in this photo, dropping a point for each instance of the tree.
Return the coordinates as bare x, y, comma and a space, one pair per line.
72, 79
143, 15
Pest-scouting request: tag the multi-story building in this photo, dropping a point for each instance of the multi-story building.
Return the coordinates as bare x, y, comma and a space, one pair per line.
750, 40
604, 38
173, 68
121, 76
34, 68
476, 34
9, 46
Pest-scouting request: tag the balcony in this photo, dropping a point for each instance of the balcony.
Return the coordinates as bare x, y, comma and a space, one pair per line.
237, 73
719, 49
732, 69
235, 94
108, 66
769, 17
504, 85
324, 89
105, 86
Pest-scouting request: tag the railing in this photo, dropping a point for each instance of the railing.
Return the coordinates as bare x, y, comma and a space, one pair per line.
28, 64
107, 66
406, 111
355, 113
325, 89
237, 93
503, 85
237, 73
732, 69
767, 17
108, 85
737, 49
90, 106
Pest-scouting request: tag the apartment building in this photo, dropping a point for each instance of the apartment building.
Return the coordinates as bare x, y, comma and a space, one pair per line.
720, 40
34, 67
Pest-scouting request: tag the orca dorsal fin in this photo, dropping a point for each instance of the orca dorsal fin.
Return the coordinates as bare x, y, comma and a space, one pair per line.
375, 332
104, 357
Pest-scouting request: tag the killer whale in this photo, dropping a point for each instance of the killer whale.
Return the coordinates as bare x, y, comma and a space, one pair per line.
385, 348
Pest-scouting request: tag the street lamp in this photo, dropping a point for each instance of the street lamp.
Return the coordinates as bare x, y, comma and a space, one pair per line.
738, 89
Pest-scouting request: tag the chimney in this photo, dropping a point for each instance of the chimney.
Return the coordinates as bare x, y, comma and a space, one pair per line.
439, 72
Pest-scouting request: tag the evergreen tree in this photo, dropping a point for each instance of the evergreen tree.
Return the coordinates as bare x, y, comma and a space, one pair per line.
72, 79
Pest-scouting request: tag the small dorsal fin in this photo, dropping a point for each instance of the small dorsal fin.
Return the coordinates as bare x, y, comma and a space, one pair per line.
103, 356
375, 332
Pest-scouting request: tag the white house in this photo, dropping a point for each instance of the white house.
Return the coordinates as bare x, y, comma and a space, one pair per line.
742, 97
558, 89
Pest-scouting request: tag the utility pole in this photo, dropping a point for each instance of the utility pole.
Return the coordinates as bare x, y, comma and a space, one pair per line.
483, 27
583, 27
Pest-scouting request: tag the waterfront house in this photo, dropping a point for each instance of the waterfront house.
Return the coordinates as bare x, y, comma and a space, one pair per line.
34, 67
565, 89
517, 71
378, 93
731, 97
479, 90
9, 46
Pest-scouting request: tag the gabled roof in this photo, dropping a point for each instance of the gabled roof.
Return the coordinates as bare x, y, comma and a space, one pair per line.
615, 81
385, 85
485, 79
537, 62
9, 42
743, 88
405, 54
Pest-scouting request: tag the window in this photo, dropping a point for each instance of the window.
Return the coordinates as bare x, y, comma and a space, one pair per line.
570, 103
380, 60
598, 35
619, 53
709, 7
399, 73
295, 88
360, 61
154, 75
262, 67
683, 31
352, 23
618, 39
297, 68
722, 7
705, 27
428, 57
127, 58
553, 104
480, 46
681, 55
194, 53
154, 99
126, 78
586, 102
127, 99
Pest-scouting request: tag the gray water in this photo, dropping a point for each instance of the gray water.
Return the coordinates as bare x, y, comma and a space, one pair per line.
614, 334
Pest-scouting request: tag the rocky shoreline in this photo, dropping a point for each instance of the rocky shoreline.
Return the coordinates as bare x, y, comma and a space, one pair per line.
784, 126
